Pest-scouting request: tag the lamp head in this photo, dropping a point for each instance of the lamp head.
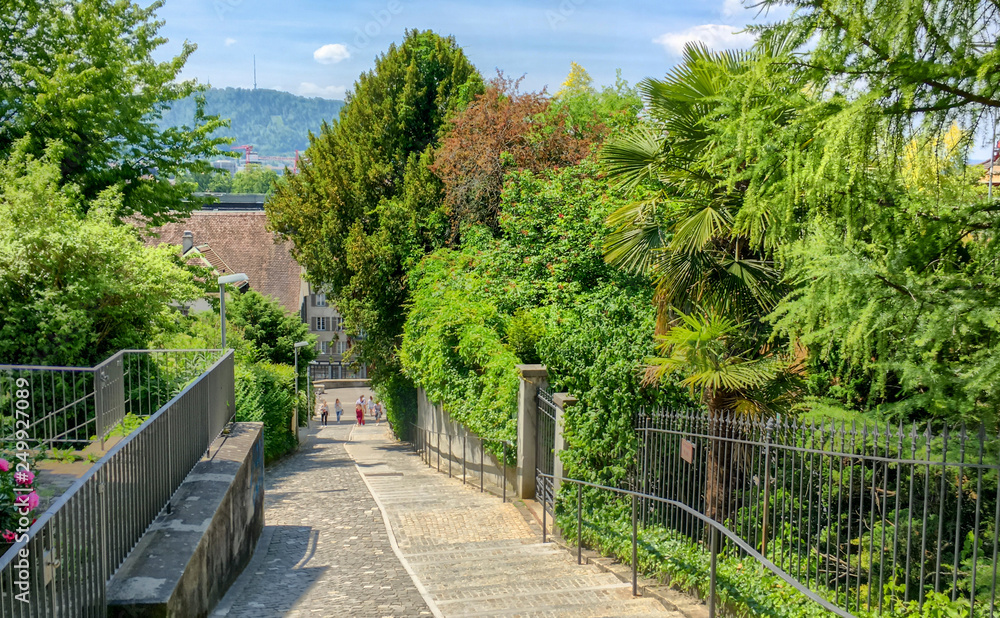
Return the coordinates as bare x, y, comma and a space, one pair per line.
236, 278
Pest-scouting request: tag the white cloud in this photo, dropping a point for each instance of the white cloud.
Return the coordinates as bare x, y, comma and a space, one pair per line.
309, 89
715, 36
230, 41
331, 53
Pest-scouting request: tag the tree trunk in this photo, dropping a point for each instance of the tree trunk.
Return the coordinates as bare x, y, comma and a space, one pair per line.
720, 462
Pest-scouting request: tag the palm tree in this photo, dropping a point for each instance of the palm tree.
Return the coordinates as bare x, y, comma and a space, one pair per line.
733, 378
714, 283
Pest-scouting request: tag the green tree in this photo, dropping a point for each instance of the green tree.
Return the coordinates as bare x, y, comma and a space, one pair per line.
75, 288
254, 180
683, 230
365, 206
82, 72
887, 244
270, 330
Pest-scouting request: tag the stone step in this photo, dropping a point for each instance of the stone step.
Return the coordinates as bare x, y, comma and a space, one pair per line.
485, 574
579, 607
491, 584
505, 545
509, 602
498, 564
456, 555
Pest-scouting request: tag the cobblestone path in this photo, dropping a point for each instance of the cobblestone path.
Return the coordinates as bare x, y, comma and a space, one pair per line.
325, 550
473, 554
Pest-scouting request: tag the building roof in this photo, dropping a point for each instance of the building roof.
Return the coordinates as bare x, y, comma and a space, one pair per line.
239, 242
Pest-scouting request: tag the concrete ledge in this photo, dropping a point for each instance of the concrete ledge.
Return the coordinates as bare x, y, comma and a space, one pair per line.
190, 555
533, 371
564, 400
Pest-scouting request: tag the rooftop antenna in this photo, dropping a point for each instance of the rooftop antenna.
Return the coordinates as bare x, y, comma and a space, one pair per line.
255, 71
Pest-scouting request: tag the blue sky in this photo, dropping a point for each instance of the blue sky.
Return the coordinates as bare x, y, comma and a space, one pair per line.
319, 47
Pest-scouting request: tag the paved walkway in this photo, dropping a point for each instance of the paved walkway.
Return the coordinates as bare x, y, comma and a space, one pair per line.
325, 551
448, 550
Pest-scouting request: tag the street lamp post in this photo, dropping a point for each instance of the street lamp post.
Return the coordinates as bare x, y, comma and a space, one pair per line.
222, 299
295, 417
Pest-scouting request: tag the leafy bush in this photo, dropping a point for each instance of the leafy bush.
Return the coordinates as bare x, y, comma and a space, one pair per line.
265, 393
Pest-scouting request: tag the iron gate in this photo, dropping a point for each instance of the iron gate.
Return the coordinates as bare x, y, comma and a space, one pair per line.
545, 445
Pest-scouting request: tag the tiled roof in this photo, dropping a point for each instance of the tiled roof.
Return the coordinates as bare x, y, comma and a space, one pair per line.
238, 242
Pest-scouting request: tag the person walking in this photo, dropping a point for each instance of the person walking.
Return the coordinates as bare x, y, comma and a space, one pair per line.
378, 412
324, 412
359, 409
338, 409
371, 406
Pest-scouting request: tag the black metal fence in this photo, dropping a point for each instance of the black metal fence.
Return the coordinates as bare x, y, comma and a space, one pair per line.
70, 407
545, 447
871, 517
75, 547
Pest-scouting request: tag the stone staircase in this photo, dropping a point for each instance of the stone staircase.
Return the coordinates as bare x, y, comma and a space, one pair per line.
477, 556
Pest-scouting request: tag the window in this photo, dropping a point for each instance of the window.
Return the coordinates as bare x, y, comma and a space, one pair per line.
320, 324
324, 347
341, 346
321, 300
338, 324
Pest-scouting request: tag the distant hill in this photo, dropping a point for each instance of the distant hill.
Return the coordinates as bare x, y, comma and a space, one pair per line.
276, 123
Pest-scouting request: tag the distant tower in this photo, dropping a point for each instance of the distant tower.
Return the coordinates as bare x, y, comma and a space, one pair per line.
255, 71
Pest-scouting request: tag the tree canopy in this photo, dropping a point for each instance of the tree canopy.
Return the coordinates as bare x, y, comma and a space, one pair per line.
76, 288
82, 72
365, 205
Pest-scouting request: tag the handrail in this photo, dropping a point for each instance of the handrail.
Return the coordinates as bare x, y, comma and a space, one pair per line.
720, 528
95, 469
715, 525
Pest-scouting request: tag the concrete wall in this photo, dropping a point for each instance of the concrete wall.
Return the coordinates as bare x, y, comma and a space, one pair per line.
190, 556
463, 446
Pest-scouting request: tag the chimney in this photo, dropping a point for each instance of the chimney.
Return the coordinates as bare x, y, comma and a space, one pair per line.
187, 241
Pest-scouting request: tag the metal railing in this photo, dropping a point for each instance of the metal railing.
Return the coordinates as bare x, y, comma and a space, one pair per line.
70, 407
428, 445
545, 457
76, 546
874, 518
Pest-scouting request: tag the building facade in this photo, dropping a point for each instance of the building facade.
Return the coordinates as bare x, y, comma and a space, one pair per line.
333, 344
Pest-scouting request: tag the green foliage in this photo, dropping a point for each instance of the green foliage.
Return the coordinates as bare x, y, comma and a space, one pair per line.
453, 348
745, 588
214, 181
276, 123
269, 330
524, 330
75, 288
860, 189
82, 72
539, 292
365, 207
254, 180
265, 393
596, 351
594, 113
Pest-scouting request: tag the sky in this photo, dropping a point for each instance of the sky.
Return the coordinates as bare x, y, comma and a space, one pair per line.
319, 47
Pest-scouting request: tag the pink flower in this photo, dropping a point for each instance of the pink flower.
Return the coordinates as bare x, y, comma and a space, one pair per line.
4, 465
9, 536
31, 500
24, 477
